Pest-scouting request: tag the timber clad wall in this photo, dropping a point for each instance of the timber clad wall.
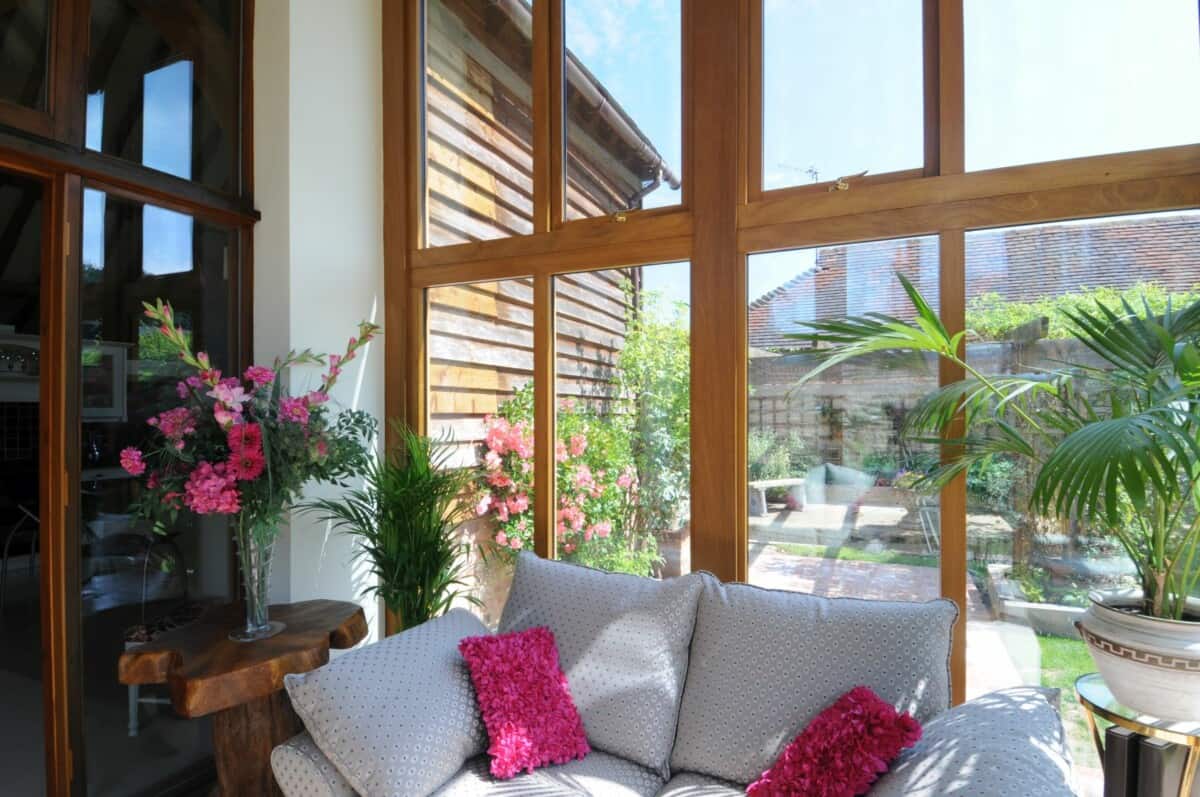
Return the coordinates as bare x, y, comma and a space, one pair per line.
479, 185
480, 346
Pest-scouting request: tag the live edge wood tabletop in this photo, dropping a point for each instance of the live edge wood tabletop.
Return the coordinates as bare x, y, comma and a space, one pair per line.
241, 683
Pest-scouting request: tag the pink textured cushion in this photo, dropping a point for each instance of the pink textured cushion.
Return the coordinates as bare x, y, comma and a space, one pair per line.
530, 717
842, 751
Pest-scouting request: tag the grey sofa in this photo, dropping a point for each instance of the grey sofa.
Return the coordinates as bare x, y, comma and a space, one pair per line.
687, 688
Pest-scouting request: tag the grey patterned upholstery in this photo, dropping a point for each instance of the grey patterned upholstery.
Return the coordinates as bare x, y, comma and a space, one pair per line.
397, 717
623, 644
400, 718
302, 770
1004, 744
598, 774
689, 784
764, 663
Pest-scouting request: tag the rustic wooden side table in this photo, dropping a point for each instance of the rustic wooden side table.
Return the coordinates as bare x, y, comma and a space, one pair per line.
1098, 701
241, 683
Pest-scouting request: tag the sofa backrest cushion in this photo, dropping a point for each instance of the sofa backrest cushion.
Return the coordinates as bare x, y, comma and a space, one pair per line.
623, 644
398, 716
764, 663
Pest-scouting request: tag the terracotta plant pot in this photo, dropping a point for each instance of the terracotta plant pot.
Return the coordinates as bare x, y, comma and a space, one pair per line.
1150, 664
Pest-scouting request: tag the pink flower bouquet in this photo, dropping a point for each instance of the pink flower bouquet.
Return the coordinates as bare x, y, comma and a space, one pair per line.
240, 446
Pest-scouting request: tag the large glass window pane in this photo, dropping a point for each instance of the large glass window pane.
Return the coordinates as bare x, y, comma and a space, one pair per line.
22, 751
1072, 78
164, 87
842, 89
623, 89
478, 120
1030, 575
24, 44
136, 583
832, 509
622, 453
479, 342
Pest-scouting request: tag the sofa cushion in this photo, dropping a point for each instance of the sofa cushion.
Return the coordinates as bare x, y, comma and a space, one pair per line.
765, 662
1008, 743
398, 716
522, 693
598, 774
1002, 744
302, 770
842, 751
689, 784
623, 644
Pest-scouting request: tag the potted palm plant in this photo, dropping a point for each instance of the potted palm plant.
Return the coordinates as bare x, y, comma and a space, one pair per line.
404, 518
1114, 440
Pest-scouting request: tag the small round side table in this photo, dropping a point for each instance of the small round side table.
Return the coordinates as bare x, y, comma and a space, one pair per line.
1098, 701
241, 683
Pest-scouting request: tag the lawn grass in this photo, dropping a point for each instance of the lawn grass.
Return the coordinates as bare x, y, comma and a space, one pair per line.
847, 554
1064, 660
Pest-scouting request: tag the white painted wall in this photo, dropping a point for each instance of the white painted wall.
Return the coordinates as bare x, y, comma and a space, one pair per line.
318, 261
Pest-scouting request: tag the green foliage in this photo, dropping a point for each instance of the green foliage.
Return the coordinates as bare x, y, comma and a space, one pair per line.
622, 462
990, 481
404, 519
990, 316
153, 345
776, 457
847, 554
654, 376
1116, 446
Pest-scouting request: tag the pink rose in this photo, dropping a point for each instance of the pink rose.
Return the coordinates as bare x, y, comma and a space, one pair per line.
578, 445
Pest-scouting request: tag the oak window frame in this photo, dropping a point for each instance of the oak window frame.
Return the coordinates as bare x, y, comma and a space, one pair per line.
726, 216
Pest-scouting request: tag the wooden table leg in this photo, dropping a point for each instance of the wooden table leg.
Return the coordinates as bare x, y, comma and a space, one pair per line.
243, 738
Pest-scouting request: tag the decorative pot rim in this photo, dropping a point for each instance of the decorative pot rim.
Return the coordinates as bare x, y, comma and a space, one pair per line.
1111, 600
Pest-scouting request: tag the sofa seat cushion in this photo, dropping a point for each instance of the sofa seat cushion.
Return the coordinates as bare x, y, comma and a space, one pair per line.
1004, 744
689, 784
398, 716
623, 644
302, 770
598, 774
764, 663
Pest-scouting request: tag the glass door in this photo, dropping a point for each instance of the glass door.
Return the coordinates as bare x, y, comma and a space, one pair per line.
21, 667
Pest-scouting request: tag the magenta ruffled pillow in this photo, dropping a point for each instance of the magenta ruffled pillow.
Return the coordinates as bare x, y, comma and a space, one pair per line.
527, 708
842, 751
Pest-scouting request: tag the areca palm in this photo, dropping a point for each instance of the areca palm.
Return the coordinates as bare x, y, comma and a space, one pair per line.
404, 518
1113, 441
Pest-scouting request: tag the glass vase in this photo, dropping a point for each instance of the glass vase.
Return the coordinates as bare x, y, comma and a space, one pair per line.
256, 546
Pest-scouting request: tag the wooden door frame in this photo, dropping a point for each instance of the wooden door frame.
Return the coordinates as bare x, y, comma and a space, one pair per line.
58, 465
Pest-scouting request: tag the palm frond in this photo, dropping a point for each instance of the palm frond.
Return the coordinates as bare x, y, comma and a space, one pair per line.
405, 519
1095, 468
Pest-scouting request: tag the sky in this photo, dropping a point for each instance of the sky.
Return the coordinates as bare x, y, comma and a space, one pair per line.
1045, 79
166, 146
